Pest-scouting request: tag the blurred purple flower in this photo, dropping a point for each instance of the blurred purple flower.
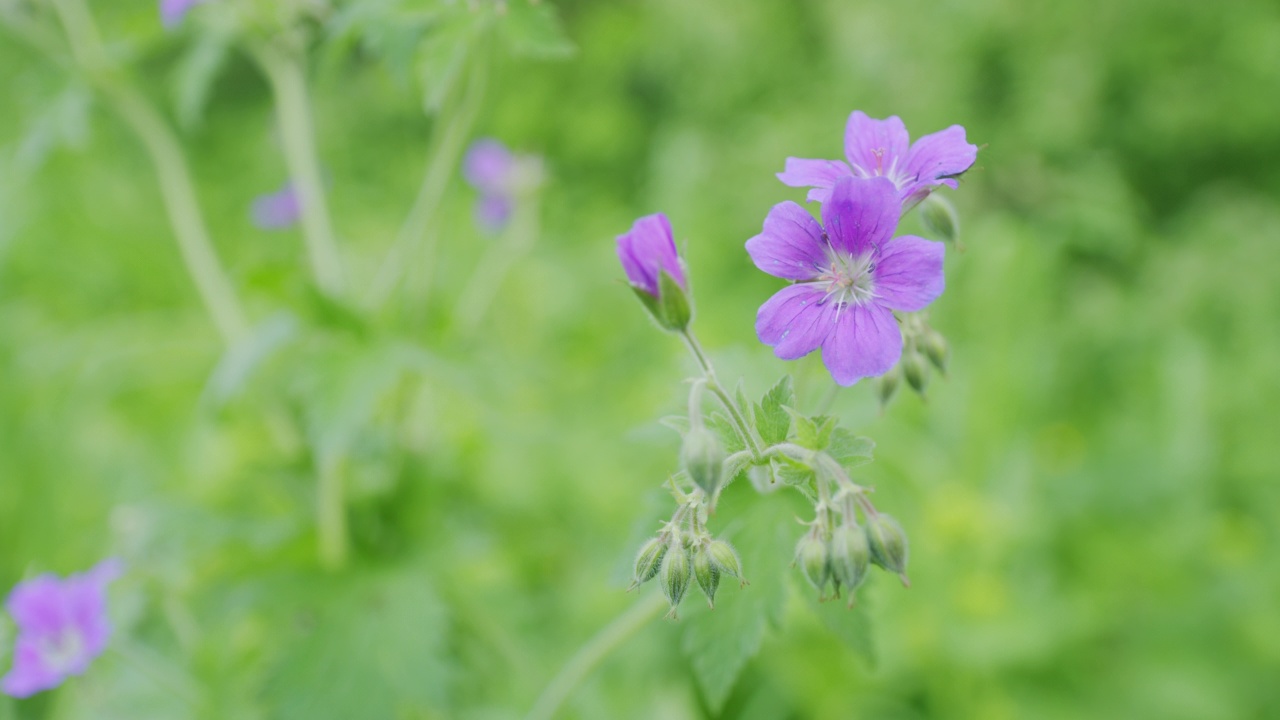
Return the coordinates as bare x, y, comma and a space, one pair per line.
500, 176
278, 210
173, 11
880, 148
848, 279
647, 250
62, 626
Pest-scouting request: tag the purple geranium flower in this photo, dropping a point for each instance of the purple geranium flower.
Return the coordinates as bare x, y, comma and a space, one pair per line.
62, 626
278, 210
172, 11
880, 148
647, 250
848, 279
490, 168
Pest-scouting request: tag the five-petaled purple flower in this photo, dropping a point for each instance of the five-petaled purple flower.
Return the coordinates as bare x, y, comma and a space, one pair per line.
172, 11
880, 148
647, 250
490, 168
849, 278
278, 210
62, 626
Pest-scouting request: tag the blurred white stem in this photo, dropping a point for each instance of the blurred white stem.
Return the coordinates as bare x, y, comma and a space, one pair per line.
496, 264
331, 513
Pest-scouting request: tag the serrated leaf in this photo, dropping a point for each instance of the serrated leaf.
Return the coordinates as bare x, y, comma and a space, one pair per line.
723, 427
679, 423
772, 420
812, 432
719, 642
850, 450
194, 76
534, 31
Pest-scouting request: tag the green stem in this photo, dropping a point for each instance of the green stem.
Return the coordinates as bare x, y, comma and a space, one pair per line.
284, 71
735, 415
176, 186
331, 514
494, 266
590, 655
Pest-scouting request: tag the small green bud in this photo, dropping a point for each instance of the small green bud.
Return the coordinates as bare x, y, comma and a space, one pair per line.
915, 371
887, 386
703, 457
850, 555
935, 348
675, 575
888, 543
649, 560
725, 558
940, 218
814, 559
706, 572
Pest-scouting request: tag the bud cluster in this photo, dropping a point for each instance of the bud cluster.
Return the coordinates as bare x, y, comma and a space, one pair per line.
924, 350
683, 552
837, 551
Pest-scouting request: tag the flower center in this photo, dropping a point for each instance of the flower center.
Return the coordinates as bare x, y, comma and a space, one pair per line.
850, 279
64, 652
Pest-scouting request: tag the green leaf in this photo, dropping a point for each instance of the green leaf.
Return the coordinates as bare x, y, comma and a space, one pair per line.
772, 420
850, 625
442, 56
719, 642
194, 76
679, 423
850, 450
62, 122
723, 427
812, 432
242, 360
534, 31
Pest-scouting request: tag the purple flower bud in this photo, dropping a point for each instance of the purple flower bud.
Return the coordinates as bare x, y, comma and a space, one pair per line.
62, 627
279, 210
173, 11
488, 166
648, 250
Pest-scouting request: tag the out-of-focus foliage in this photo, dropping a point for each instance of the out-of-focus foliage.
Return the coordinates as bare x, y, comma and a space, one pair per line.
1092, 493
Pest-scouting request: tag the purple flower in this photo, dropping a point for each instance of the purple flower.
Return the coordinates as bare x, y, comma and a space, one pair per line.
647, 250
880, 148
62, 626
278, 210
490, 168
172, 11
848, 279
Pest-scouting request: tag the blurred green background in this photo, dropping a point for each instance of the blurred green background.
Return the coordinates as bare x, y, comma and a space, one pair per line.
1092, 494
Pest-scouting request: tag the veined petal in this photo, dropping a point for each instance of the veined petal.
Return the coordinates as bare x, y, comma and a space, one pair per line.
861, 213
908, 273
793, 321
875, 146
823, 174
648, 249
935, 159
791, 246
864, 342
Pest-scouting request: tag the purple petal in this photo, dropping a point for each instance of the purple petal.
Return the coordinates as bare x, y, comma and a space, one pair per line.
935, 159
647, 250
29, 674
795, 321
173, 11
37, 605
861, 214
791, 246
278, 210
493, 212
820, 175
875, 147
865, 342
908, 273
488, 165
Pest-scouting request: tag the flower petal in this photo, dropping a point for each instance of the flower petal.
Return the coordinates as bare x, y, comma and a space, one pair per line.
173, 11
488, 165
864, 342
30, 673
794, 321
817, 174
37, 605
648, 249
908, 273
935, 159
874, 146
791, 246
861, 214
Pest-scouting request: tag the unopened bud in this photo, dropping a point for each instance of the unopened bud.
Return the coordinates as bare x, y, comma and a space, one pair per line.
888, 544
725, 558
940, 218
675, 575
887, 386
706, 572
850, 554
814, 560
649, 560
915, 371
703, 458
673, 303
935, 348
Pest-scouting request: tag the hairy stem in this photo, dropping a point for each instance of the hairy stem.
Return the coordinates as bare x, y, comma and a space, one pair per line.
740, 424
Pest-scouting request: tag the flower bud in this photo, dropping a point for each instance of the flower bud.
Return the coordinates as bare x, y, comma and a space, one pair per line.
675, 575
940, 218
725, 558
887, 386
935, 348
850, 555
649, 560
655, 271
888, 544
814, 559
706, 572
703, 458
915, 371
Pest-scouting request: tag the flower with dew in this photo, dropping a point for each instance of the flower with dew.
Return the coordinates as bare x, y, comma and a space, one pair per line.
279, 210
500, 176
173, 11
62, 627
849, 278
882, 148
655, 270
